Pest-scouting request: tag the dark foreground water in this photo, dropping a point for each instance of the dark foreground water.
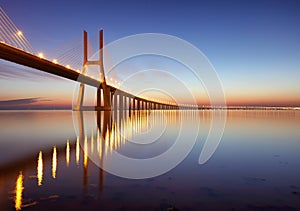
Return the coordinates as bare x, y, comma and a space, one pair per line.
49, 160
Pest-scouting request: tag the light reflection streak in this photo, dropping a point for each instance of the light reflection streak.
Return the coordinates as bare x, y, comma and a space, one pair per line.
85, 153
19, 191
92, 141
115, 136
77, 151
40, 169
68, 153
106, 142
98, 140
54, 163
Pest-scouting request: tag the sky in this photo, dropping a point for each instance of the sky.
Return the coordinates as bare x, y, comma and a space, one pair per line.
253, 46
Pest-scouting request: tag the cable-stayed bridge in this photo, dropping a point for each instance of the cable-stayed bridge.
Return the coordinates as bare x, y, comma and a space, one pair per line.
15, 48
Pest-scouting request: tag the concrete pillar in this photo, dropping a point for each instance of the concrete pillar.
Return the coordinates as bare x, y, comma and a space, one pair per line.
133, 103
115, 99
138, 104
120, 102
98, 97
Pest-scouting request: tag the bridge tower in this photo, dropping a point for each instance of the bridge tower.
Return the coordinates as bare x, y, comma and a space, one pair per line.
103, 85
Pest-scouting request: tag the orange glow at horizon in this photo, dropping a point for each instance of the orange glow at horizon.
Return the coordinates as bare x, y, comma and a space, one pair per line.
268, 100
263, 99
57, 99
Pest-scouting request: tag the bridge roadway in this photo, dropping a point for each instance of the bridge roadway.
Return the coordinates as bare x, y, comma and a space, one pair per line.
18, 56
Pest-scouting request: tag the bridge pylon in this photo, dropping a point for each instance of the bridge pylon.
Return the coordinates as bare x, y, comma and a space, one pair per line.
103, 86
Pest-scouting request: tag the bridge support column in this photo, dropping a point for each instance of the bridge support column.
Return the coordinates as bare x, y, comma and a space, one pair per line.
138, 104
115, 101
98, 97
133, 104
104, 87
127, 102
120, 102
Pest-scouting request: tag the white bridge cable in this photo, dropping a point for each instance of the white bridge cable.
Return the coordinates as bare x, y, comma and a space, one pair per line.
19, 33
71, 57
12, 35
69, 53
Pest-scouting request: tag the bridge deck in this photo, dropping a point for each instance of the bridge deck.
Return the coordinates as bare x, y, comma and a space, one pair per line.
21, 57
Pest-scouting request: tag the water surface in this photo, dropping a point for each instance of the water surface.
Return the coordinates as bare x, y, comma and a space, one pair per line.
45, 161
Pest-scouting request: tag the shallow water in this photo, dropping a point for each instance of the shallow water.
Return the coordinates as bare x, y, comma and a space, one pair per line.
50, 160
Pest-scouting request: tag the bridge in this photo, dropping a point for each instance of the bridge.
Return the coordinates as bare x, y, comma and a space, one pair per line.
113, 98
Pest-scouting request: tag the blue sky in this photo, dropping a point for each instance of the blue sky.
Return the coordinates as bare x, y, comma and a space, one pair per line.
253, 45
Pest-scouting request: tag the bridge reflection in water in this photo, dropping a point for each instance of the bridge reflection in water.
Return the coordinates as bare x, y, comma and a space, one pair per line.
111, 132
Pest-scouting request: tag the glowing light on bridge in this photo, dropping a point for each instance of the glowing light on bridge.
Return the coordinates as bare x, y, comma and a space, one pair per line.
68, 66
54, 163
54, 61
40, 169
19, 191
20, 33
41, 55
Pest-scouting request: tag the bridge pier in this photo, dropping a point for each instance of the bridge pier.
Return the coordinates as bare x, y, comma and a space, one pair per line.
126, 102
120, 102
106, 92
99, 97
132, 103
138, 104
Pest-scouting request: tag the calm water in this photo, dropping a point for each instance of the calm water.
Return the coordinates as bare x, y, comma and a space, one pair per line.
47, 161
